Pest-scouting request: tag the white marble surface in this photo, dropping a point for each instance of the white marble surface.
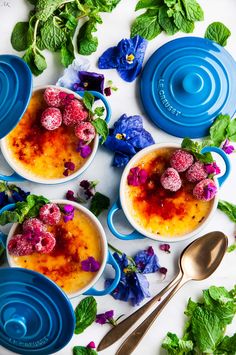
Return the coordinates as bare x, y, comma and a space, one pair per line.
126, 100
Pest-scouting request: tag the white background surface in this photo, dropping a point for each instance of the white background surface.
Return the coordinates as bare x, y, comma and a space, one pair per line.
126, 100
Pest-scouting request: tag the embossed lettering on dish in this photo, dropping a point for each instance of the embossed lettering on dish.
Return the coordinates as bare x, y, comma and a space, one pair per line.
32, 344
164, 101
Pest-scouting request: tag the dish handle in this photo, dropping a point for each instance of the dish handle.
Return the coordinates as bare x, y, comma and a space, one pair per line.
224, 156
11, 178
111, 261
101, 97
3, 237
134, 235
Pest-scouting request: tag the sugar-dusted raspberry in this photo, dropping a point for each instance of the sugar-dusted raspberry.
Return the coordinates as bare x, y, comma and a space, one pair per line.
205, 190
51, 118
52, 97
46, 243
19, 245
34, 226
181, 160
170, 180
50, 214
74, 113
85, 131
196, 172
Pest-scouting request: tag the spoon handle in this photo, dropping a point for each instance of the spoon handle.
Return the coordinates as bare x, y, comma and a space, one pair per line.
128, 346
117, 332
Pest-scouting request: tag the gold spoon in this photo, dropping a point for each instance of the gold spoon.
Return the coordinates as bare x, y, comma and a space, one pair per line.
197, 262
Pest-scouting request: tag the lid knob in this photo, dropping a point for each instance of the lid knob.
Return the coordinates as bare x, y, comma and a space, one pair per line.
15, 327
192, 83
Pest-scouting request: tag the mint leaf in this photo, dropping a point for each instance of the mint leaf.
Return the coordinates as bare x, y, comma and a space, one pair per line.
191, 306
148, 4
52, 35
19, 36
88, 100
102, 5
166, 22
218, 33
193, 10
85, 314
99, 203
45, 8
231, 130
176, 346
67, 53
220, 294
81, 350
183, 23
228, 208
231, 248
3, 187
99, 111
146, 25
195, 148
86, 42
101, 128
227, 346
218, 130
35, 60
207, 329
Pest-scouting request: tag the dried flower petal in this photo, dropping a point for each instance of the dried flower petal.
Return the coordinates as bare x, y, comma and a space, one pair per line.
165, 247
137, 176
70, 195
163, 270
227, 148
69, 165
212, 169
91, 345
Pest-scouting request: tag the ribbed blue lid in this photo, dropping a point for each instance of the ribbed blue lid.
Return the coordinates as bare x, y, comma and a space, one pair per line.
36, 317
186, 84
15, 91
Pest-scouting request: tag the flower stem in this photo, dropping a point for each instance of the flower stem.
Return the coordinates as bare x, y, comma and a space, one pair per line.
120, 253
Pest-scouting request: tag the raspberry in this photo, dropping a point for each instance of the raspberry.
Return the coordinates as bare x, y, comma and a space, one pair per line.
205, 190
74, 113
50, 214
196, 172
51, 118
52, 97
181, 160
46, 243
85, 131
19, 245
170, 180
34, 226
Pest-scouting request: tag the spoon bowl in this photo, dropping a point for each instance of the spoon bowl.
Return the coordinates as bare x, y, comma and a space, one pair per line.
202, 257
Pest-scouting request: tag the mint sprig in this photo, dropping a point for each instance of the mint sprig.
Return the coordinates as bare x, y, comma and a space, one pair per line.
195, 148
218, 33
85, 314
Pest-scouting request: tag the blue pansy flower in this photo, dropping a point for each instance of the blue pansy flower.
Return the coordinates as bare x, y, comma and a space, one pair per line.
133, 285
147, 261
3, 199
127, 57
127, 138
11, 194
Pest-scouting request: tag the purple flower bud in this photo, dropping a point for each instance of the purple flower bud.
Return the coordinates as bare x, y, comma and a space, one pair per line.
163, 270
107, 91
150, 251
70, 195
109, 314
66, 172
91, 345
227, 148
90, 264
165, 247
69, 165
68, 208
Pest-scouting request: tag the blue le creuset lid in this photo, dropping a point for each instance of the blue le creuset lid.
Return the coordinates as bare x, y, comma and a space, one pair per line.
15, 91
36, 317
186, 84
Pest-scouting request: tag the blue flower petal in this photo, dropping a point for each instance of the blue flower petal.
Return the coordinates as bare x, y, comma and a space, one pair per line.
70, 75
119, 145
120, 160
142, 140
146, 263
108, 59
128, 125
130, 74
3, 199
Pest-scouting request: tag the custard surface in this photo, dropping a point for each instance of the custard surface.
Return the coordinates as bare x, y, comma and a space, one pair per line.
76, 240
40, 152
159, 211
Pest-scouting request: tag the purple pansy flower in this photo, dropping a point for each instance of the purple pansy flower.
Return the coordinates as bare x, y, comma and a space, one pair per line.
212, 168
127, 57
127, 138
89, 81
165, 247
227, 148
210, 191
69, 212
137, 176
147, 261
104, 317
70, 75
11, 194
84, 149
90, 264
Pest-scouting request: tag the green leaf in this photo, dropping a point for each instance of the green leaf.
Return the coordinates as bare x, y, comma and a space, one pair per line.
19, 36
207, 329
85, 314
166, 22
33, 2
176, 346
99, 111
99, 203
228, 208
231, 130
53, 37
146, 25
220, 294
3, 186
81, 350
218, 33
195, 148
86, 42
183, 23
218, 130
170, 3
102, 5
35, 60
191, 306
67, 53
45, 8
148, 4
193, 10
231, 248
101, 128
227, 346
88, 100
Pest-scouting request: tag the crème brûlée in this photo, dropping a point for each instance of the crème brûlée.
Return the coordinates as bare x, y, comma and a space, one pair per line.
76, 240
160, 211
40, 152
